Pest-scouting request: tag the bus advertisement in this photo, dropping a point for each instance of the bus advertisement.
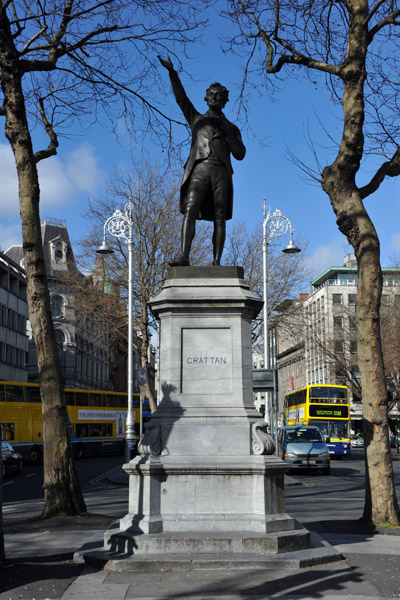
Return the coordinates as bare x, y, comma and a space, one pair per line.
327, 407
97, 420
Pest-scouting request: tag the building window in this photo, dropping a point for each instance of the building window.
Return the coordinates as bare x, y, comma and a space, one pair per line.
338, 321
56, 306
352, 298
337, 298
339, 346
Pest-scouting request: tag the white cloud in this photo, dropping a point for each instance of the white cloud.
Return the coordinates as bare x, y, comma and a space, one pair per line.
395, 242
55, 186
10, 235
9, 187
62, 180
83, 170
328, 255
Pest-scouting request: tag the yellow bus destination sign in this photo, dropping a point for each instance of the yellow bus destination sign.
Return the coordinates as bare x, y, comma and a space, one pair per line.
331, 411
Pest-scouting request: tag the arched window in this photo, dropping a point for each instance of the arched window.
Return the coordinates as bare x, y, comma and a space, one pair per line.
57, 306
60, 337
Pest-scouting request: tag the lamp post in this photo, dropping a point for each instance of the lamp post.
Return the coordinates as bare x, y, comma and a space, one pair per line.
120, 225
274, 225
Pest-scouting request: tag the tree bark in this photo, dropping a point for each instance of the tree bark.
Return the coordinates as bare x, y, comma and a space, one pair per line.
62, 494
339, 183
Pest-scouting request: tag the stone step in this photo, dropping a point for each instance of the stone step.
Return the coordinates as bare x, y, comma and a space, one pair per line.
125, 542
319, 553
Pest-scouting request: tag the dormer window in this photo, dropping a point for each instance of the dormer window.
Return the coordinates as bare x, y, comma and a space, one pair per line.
59, 251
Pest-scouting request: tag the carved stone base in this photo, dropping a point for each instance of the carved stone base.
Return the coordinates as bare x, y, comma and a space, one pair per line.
169, 493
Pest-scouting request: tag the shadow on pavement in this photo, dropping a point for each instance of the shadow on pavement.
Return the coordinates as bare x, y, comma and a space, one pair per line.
38, 577
348, 526
338, 580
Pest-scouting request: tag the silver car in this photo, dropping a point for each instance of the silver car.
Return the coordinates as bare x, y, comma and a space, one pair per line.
304, 448
357, 442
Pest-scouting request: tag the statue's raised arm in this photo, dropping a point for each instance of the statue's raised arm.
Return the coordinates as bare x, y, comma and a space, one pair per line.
179, 91
167, 63
206, 191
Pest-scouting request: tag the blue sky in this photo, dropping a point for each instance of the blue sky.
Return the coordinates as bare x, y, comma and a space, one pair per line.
83, 165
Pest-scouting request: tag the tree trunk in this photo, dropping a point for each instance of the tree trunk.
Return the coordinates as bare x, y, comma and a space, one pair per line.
62, 494
339, 182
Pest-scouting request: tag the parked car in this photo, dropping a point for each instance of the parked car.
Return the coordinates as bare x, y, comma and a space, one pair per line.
304, 447
12, 461
357, 442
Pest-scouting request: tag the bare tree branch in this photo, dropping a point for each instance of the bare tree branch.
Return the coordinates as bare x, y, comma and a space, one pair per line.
390, 168
51, 150
388, 20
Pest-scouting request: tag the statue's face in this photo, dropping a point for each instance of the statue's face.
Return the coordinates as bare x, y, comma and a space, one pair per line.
215, 98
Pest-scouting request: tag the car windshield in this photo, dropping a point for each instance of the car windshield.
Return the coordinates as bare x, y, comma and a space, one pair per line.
303, 435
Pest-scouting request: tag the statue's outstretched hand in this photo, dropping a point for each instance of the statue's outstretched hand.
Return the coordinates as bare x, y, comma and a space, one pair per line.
167, 63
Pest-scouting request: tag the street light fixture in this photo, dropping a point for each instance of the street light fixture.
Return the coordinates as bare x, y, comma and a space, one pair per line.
120, 225
274, 225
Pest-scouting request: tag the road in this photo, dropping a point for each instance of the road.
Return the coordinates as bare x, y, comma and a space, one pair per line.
23, 494
340, 496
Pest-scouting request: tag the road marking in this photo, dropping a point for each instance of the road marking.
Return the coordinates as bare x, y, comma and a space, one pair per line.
98, 479
7, 483
318, 499
30, 475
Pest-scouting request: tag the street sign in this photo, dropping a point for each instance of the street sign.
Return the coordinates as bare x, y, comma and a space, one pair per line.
265, 380
142, 376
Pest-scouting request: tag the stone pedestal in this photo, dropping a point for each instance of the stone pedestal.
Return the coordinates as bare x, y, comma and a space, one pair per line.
206, 479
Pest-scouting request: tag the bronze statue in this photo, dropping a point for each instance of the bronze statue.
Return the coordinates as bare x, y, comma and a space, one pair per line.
206, 190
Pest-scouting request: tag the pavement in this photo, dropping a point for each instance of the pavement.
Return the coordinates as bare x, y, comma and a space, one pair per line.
40, 566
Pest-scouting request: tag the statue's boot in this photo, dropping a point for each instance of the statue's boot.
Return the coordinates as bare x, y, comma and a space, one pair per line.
188, 231
218, 241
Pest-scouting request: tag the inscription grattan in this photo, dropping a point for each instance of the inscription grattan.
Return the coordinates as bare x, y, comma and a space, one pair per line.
206, 360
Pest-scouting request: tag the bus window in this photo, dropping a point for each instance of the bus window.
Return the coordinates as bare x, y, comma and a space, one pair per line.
70, 398
14, 393
94, 429
95, 400
111, 400
108, 429
2, 393
123, 401
7, 432
32, 394
81, 430
81, 399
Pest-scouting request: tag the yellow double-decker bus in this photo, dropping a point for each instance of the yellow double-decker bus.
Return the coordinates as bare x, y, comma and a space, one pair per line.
97, 420
327, 407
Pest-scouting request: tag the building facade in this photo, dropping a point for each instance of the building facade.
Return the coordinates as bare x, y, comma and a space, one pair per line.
14, 341
83, 345
324, 349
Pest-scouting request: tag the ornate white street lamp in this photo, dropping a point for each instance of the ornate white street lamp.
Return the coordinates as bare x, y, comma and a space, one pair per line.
274, 225
120, 225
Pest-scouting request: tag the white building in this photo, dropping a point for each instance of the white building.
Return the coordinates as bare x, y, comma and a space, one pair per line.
13, 321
